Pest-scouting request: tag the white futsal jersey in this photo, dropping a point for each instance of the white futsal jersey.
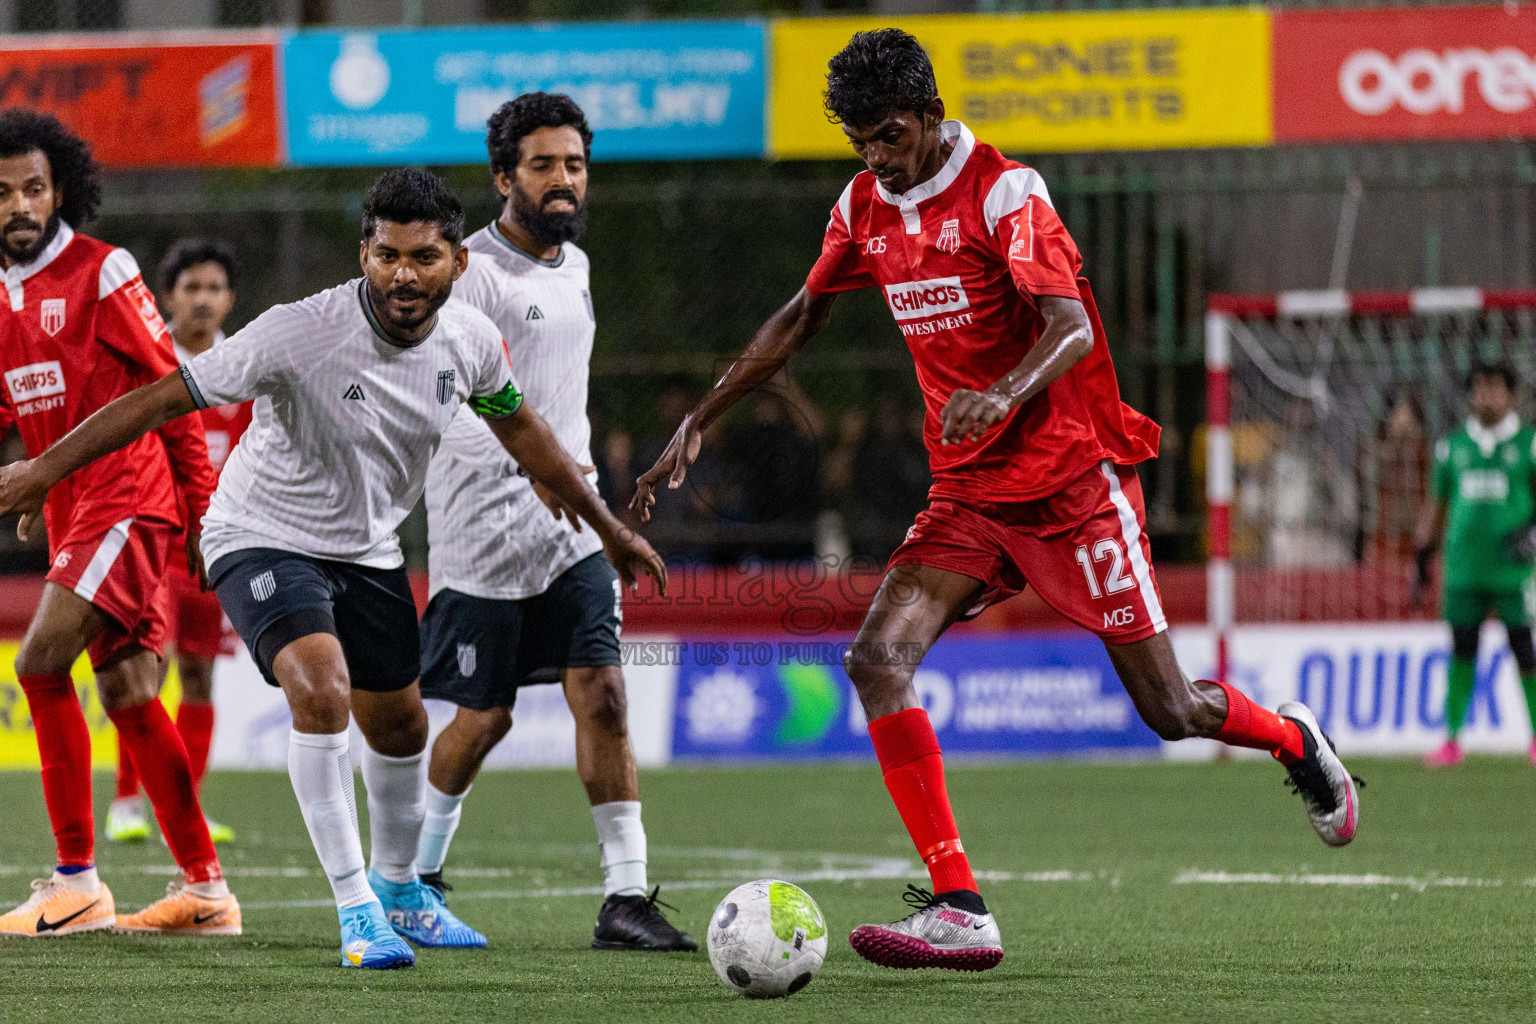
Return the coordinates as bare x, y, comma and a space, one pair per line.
490, 535
345, 422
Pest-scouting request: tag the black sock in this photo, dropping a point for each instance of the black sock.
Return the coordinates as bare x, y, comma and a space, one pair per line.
962, 899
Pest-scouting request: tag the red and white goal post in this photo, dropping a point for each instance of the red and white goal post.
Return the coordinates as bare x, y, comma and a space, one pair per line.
1322, 409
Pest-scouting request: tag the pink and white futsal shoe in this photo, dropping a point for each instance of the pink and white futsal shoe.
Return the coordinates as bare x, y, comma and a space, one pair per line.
1325, 785
1446, 755
936, 935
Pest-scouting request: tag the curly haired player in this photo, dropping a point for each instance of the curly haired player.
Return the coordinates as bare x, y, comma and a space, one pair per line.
1032, 454
82, 330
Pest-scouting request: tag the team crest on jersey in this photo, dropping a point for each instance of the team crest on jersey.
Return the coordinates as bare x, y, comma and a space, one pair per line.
444, 386
466, 660
53, 316
949, 237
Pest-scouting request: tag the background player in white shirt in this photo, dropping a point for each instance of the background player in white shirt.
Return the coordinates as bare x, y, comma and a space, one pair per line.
520, 596
353, 387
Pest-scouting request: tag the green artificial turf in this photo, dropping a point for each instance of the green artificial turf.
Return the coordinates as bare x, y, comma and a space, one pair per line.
1091, 866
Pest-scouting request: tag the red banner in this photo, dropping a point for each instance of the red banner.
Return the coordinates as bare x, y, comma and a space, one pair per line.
153, 103
1406, 73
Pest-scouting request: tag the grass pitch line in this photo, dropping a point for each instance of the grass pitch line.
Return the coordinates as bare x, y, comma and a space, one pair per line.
1365, 880
907, 871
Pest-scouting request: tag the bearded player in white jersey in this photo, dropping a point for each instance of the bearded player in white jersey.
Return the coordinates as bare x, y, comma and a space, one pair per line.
354, 387
520, 593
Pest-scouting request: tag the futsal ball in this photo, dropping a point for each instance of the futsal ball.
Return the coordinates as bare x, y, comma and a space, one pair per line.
767, 939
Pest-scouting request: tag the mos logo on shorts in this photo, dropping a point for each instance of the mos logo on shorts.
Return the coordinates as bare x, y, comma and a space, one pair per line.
263, 586
466, 660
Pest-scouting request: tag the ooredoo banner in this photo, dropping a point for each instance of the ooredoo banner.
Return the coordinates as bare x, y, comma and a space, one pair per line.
1051, 82
190, 101
650, 90
1405, 73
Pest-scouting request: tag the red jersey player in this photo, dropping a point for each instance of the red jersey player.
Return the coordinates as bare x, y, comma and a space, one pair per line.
79, 330
197, 290
1032, 454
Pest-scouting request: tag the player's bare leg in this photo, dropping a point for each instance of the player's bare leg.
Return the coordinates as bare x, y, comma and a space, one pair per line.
951, 927
1178, 709
629, 918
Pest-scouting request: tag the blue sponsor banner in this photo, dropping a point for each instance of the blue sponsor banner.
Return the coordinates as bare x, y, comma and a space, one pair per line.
1026, 694
657, 90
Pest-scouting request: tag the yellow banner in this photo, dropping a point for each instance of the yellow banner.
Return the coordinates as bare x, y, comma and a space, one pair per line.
18, 743
1036, 83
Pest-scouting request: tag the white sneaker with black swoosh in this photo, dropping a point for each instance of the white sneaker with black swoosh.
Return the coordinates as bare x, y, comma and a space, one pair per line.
1324, 784
938, 934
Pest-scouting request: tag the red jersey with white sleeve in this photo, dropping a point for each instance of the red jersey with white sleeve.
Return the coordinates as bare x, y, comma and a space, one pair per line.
223, 425
82, 331
961, 260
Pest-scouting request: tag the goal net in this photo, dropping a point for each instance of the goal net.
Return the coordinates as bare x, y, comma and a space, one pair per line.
1323, 409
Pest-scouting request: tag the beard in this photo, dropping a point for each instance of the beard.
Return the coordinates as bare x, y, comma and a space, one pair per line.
380, 300
27, 253
549, 227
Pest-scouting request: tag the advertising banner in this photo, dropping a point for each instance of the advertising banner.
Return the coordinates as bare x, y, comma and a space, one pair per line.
153, 103
1376, 688
1405, 73
650, 90
1032, 694
1051, 82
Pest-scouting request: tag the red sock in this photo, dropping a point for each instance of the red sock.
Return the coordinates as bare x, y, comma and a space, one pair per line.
127, 778
64, 746
1249, 725
157, 753
195, 724
914, 774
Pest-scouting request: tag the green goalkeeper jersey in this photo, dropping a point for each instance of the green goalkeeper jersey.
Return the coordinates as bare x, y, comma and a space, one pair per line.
1484, 476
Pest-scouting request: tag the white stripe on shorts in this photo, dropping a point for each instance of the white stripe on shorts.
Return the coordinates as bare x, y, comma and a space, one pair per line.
101, 562
1130, 532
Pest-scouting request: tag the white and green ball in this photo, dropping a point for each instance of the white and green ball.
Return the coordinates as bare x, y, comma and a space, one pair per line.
767, 939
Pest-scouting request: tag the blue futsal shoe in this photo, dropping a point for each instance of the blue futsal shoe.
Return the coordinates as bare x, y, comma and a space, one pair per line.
367, 940
417, 912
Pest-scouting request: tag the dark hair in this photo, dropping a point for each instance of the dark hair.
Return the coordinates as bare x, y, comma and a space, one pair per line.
407, 195
1493, 368
518, 118
186, 253
75, 173
877, 74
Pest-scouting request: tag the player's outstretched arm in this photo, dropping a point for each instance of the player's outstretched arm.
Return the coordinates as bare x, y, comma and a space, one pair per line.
24, 485
780, 337
527, 438
1066, 340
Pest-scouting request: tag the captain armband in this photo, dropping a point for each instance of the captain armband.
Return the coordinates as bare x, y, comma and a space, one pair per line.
500, 405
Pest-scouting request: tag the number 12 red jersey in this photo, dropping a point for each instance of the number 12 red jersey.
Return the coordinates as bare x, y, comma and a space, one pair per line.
961, 259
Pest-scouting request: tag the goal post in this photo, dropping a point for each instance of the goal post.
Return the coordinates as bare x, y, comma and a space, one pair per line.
1322, 410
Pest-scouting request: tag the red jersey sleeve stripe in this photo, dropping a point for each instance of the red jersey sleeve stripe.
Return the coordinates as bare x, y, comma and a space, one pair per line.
1010, 192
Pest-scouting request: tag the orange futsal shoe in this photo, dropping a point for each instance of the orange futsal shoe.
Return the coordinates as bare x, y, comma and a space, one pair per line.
56, 909
183, 912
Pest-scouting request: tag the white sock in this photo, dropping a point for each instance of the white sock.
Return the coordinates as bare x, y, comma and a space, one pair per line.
396, 806
87, 881
321, 771
437, 829
622, 839
214, 890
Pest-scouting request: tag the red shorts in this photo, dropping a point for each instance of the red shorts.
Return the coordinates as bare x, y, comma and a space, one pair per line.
195, 621
1083, 549
121, 571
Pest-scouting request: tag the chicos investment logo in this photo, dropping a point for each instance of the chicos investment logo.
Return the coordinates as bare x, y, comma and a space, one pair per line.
916, 299
36, 387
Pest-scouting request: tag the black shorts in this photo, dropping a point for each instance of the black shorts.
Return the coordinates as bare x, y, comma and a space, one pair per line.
477, 651
274, 597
